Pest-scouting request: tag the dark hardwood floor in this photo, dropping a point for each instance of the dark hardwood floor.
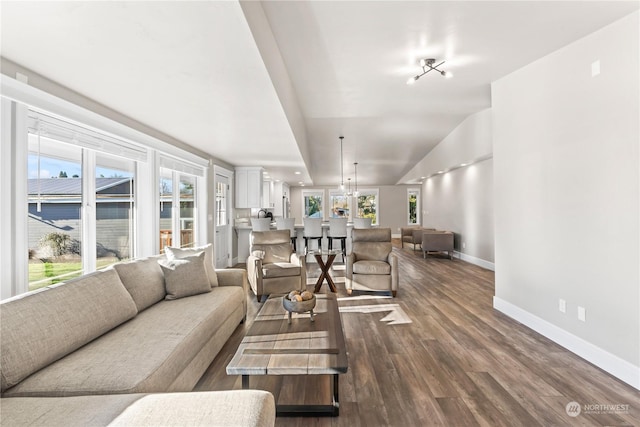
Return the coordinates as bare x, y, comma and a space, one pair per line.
459, 363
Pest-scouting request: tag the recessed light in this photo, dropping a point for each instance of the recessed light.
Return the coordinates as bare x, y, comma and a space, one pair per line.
297, 172
422, 177
440, 171
463, 165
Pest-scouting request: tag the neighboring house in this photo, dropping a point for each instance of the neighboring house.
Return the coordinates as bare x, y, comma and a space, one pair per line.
60, 203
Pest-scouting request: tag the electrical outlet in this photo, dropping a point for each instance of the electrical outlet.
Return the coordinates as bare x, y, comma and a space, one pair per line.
582, 314
595, 68
464, 245
562, 305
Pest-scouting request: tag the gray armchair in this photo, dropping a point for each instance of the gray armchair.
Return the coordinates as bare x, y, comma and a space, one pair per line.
371, 265
437, 241
412, 235
272, 267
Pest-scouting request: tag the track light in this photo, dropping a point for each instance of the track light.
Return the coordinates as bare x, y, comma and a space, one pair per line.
427, 65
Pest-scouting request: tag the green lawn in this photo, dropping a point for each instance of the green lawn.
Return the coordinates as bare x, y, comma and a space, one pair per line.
39, 271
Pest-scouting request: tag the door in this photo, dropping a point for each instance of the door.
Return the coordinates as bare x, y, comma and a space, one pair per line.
223, 226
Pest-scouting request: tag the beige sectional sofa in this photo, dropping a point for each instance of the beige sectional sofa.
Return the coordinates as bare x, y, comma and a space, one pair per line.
108, 347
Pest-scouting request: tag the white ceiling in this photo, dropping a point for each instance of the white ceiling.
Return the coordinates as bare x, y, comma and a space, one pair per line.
196, 71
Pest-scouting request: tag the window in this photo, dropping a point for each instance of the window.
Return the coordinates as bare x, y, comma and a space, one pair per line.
187, 210
413, 208
367, 205
338, 204
54, 220
79, 198
312, 203
166, 209
177, 226
221, 203
114, 210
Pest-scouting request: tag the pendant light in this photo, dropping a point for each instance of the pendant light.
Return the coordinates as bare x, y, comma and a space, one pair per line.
355, 172
341, 166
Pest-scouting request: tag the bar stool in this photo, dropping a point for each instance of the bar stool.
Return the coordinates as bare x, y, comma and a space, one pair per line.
260, 224
361, 222
312, 231
288, 224
338, 230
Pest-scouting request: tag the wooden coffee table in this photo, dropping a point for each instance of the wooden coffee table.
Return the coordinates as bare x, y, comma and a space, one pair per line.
274, 347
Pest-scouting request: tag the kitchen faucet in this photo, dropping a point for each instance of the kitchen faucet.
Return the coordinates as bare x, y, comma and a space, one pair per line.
266, 214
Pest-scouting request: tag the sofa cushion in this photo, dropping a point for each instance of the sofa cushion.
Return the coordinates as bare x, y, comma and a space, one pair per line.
373, 251
143, 355
280, 269
175, 253
371, 267
211, 408
236, 408
144, 280
39, 328
185, 277
276, 245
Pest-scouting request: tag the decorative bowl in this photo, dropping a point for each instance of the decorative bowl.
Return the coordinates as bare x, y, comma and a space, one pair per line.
299, 306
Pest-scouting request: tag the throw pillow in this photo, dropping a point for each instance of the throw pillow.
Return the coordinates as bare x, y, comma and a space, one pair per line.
177, 253
185, 276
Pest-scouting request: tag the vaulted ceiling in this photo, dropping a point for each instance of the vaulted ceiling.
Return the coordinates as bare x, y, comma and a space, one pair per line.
276, 83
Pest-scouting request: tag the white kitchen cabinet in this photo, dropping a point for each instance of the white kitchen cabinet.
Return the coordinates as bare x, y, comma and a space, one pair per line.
267, 194
248, 187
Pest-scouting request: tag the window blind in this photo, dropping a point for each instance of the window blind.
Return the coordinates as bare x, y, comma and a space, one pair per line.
72, 133
179, 165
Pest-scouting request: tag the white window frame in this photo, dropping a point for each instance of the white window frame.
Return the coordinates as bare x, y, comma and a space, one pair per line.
368, 191
416, 191
339, 193
306, 193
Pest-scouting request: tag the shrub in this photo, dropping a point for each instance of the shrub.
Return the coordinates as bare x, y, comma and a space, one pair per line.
57, 243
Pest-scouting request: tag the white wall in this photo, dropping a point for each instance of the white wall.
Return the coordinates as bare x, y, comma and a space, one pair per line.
566, 171
461, 199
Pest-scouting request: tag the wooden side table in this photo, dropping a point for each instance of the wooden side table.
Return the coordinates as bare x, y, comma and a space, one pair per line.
325, 266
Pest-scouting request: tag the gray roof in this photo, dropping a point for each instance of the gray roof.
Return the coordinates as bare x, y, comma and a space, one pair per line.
70, 186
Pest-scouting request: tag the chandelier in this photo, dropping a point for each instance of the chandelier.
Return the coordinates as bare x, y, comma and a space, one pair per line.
427, 66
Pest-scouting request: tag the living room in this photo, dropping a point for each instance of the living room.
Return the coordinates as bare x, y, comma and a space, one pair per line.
539, 180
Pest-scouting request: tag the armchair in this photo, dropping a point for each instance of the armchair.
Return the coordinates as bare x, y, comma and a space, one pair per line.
412, 235
272, 267
437, 241
371, 265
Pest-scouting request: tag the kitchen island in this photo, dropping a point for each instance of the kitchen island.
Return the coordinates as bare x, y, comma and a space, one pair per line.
243, 232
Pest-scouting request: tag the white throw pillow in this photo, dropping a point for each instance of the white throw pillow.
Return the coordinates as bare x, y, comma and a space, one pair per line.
177, 253
185, 276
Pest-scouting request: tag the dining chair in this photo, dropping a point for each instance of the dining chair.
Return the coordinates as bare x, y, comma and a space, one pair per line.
361, 222
338, 230
288, 224
260, 224
312, 231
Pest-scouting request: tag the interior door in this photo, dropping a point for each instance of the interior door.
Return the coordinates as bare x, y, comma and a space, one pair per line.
223, 226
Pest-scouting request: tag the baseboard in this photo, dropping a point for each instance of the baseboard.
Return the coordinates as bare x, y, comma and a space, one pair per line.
477, 261
606, 361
